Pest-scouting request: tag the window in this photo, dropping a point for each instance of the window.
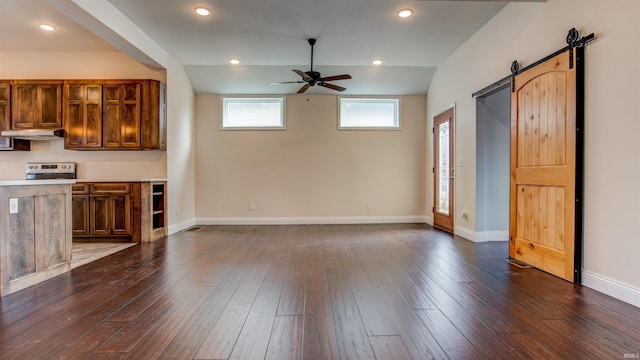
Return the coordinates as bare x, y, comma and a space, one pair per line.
253, 113
369, 113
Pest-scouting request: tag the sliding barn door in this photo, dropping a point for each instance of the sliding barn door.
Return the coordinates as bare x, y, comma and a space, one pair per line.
543, 167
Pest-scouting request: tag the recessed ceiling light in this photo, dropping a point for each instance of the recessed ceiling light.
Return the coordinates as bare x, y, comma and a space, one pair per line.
403, 13
234, 61
377, 62
47, 27
202, 10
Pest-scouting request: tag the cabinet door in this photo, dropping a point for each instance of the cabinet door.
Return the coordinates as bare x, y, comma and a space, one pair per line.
19, 259
82, 115
37, 236
122, 115
7, 143
51, 231
154, 115
99, 215
36, 104
80, 214
5, 120
121, 215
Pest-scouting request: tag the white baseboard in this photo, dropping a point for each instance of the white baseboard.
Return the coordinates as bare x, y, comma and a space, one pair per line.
311, 220
481, 236
465, 233
177, 227
428, 220
485, 236
613, 288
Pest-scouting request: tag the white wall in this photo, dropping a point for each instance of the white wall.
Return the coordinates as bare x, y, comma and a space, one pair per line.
493, 113
527, 32
310, 173
180, 148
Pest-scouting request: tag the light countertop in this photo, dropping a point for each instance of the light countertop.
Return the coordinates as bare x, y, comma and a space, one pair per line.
121, 180
37, 182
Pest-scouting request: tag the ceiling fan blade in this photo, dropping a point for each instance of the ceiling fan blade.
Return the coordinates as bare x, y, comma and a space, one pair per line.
287, 82
302, 73
333, 87
336, 77
303, 89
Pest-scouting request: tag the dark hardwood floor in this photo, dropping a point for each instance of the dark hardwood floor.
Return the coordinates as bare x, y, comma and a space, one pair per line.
401, 291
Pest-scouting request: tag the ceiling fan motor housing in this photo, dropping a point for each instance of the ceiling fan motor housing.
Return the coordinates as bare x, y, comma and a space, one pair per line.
314, 75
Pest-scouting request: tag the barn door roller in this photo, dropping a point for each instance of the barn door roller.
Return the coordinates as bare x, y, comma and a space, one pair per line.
573, 40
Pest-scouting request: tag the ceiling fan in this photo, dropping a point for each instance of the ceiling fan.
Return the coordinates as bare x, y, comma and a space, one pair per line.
312, 78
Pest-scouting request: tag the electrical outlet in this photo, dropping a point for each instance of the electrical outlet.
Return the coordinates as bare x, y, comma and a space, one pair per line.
5, 164
177, 211
13, 206
369, 205
252, 206
464, 214
107, 164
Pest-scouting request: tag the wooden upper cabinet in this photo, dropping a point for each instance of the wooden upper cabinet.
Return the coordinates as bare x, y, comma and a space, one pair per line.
36, 104
82, 102
114, 114
154, 121
122, 117
7, 143
5, 118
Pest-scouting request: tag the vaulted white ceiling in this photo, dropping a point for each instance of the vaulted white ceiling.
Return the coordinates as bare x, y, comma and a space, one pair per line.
268, 36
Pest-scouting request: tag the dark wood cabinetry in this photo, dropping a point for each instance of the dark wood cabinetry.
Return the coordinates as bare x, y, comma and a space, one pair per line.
122, 116
115, 114
7, 143
154, 116
95, 114
82, 102
36, 104
80, 209
106, 212
110, 209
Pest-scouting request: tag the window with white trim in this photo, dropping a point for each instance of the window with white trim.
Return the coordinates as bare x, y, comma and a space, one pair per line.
253, 113
369, 113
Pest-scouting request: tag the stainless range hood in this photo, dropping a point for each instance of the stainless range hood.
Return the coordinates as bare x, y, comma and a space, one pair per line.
35, 134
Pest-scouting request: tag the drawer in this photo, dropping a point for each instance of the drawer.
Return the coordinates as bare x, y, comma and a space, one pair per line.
79, 189
110, 188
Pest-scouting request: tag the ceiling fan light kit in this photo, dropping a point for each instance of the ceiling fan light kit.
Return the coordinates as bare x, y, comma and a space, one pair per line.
313, 78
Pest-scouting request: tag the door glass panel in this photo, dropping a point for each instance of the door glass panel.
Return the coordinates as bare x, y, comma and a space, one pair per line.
444, 166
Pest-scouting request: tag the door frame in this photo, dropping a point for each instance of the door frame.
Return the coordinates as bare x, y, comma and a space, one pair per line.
441, 221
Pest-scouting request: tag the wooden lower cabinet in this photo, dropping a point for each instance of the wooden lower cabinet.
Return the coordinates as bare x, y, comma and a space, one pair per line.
106, 212
110, 215
80, 215
35, 235
153, 214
